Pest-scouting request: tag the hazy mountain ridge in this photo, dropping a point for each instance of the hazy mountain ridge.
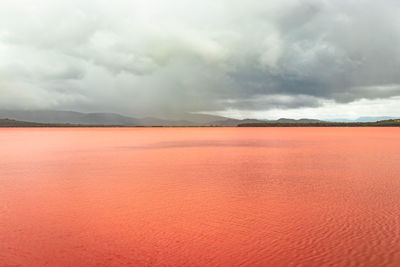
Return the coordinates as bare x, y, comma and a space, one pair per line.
235, 122
383, 123
73, 117
76, 119
56, 116
113, 119
365, 119
15, 123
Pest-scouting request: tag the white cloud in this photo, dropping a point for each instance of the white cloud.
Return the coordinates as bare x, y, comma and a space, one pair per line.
327, 111
152, 56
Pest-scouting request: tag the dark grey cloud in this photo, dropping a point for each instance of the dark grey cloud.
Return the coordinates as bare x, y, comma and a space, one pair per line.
151, 57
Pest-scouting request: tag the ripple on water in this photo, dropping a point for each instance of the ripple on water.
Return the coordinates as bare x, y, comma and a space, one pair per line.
200, 197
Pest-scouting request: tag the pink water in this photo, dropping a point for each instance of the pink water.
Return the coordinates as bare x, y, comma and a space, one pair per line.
200, 197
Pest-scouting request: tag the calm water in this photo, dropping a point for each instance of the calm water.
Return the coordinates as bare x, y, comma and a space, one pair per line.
200, 197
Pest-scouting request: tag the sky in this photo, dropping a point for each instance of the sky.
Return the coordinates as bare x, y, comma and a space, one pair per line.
320, 59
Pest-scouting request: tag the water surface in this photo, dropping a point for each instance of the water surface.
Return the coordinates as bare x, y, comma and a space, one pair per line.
200, 197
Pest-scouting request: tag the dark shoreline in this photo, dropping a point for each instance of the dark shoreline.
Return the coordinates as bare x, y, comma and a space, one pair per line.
6, 123
389, 123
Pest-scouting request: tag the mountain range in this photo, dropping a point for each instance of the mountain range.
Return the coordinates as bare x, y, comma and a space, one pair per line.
365, 119
73, 117
187, 119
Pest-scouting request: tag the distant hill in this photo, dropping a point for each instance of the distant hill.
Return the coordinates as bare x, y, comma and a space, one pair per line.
365, 119
15, 123
72, 117
235, 122
69, 118
55, 116
384, 123
284, 120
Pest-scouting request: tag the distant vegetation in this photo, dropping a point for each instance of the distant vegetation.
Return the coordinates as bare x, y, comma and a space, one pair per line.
14, 123
59, 118
384, 123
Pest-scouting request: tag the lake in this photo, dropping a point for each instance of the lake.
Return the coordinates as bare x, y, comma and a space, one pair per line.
199, 196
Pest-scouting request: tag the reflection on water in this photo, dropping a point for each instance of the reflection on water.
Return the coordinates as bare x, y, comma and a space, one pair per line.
200, 197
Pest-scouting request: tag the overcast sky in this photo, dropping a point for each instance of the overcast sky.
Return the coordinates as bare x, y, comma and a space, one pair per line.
253, 58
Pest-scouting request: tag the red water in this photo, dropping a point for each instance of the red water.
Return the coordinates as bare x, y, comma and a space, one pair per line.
200, 197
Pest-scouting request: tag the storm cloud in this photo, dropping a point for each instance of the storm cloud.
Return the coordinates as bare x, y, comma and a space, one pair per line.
149, 57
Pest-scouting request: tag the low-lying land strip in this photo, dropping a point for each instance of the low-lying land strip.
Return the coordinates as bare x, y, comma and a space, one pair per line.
15, 123
385, 123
